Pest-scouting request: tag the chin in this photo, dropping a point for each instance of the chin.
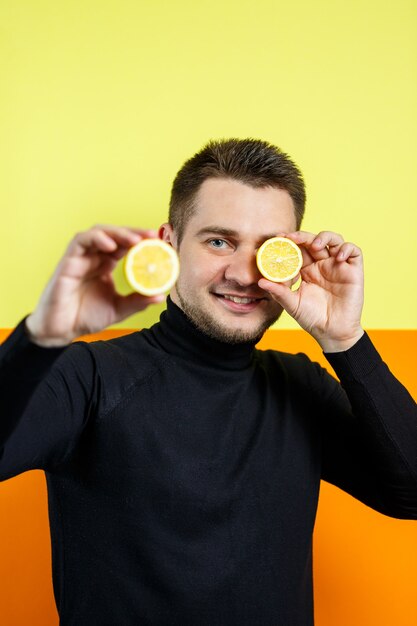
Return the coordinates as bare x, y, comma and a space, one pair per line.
223, 325
227, 328
243, 333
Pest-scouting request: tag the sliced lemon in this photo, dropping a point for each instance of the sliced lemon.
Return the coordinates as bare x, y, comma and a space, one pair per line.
279, 259
151, 267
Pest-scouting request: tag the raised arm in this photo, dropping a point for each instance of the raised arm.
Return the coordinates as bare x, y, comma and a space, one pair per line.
369, 424
48, 386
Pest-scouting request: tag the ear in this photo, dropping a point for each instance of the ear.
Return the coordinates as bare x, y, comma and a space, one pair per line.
167, 233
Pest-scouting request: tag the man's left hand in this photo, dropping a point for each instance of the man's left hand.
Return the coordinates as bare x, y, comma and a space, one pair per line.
328, 303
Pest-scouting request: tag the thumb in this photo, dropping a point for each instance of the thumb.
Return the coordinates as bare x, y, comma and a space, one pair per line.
281, 293
134, 302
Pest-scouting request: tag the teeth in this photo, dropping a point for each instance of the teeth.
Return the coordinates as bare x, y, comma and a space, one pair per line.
240, 300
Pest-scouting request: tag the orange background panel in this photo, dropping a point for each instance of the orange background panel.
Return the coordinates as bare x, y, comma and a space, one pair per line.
365, 570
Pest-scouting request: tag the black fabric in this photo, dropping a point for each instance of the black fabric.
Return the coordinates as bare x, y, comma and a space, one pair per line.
183, 473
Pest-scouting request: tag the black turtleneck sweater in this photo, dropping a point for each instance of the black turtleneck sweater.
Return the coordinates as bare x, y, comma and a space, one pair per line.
183, 473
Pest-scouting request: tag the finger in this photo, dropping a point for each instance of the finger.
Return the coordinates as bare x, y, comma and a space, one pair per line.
119, 253
147, 232
302, 237
305, 240
138, 235
89, 240
327, 243
87, 266
126, 231
104, 238
126, 237
349, 252
120, 234
327, 239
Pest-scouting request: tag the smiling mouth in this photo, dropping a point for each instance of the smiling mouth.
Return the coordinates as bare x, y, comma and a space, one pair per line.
238, 299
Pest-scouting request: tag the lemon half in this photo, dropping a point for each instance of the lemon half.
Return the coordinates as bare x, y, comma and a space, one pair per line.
279, 259
151, 267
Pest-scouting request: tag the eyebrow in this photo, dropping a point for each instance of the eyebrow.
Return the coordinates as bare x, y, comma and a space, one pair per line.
217, 230
226, 232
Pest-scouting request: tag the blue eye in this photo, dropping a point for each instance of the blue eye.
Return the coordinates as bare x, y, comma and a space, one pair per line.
217, 243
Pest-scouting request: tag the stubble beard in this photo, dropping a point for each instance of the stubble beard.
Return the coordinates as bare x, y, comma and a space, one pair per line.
206, 323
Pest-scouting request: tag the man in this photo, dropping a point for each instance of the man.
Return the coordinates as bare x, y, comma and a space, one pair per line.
183, 465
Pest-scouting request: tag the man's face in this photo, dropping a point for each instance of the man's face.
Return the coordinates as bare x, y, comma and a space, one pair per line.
218, 283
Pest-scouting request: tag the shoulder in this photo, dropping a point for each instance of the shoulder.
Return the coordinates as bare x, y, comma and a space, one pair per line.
298, 370
293, 364
115, 368
131, 356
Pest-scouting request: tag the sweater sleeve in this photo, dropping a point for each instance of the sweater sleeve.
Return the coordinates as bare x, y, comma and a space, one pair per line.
369, 432
46, 397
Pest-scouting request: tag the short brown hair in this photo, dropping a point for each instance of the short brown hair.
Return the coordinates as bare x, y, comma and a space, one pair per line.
251, 161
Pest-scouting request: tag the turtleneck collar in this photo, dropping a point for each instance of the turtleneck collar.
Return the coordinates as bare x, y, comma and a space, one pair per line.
178, 335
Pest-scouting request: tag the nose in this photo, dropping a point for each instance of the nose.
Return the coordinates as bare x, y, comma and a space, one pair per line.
242, 268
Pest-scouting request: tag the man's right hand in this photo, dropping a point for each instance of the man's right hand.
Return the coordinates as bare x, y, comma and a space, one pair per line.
80, 297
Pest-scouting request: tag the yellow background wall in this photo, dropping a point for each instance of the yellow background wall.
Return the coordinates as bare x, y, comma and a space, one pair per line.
102, 101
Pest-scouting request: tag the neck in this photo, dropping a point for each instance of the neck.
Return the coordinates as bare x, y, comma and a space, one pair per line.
177, 334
